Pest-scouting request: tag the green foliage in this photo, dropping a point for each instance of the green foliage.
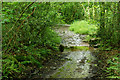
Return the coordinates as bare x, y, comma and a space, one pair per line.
30, 43
113, 69
88, 38
83, 27
109, 25
70, 11
9, 66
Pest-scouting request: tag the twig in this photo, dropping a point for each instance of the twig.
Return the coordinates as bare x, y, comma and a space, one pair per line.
19, 27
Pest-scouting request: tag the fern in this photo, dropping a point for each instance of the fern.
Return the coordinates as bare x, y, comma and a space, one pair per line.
113, 70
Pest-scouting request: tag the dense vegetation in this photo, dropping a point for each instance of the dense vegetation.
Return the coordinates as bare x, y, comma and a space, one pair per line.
29, 38
83, 27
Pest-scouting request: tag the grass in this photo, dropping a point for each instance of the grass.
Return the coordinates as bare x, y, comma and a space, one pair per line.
83, 27
80, 48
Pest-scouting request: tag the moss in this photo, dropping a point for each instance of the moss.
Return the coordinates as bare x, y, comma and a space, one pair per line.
81, 48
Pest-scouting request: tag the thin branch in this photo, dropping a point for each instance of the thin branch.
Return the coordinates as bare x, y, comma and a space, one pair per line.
84, 8
19, 27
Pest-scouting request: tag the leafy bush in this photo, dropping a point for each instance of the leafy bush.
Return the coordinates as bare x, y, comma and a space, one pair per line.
10, 66
87, 38
29, 43
70, 11
83, 27
113, 68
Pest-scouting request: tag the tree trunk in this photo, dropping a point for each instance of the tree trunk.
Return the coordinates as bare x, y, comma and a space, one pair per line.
102, 15
93, 12
118, 22
88, 10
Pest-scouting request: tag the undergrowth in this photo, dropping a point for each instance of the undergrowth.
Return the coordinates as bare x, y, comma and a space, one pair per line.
109, 64
113, 69
83, 27
30, 40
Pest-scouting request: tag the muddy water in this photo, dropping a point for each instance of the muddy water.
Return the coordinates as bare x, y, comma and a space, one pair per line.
78, 66
80, 62
69, 38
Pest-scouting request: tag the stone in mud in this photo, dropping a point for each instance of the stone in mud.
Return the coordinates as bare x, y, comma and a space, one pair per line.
61, 48
79, 69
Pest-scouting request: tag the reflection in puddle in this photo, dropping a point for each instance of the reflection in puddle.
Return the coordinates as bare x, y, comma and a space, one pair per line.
77, 67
